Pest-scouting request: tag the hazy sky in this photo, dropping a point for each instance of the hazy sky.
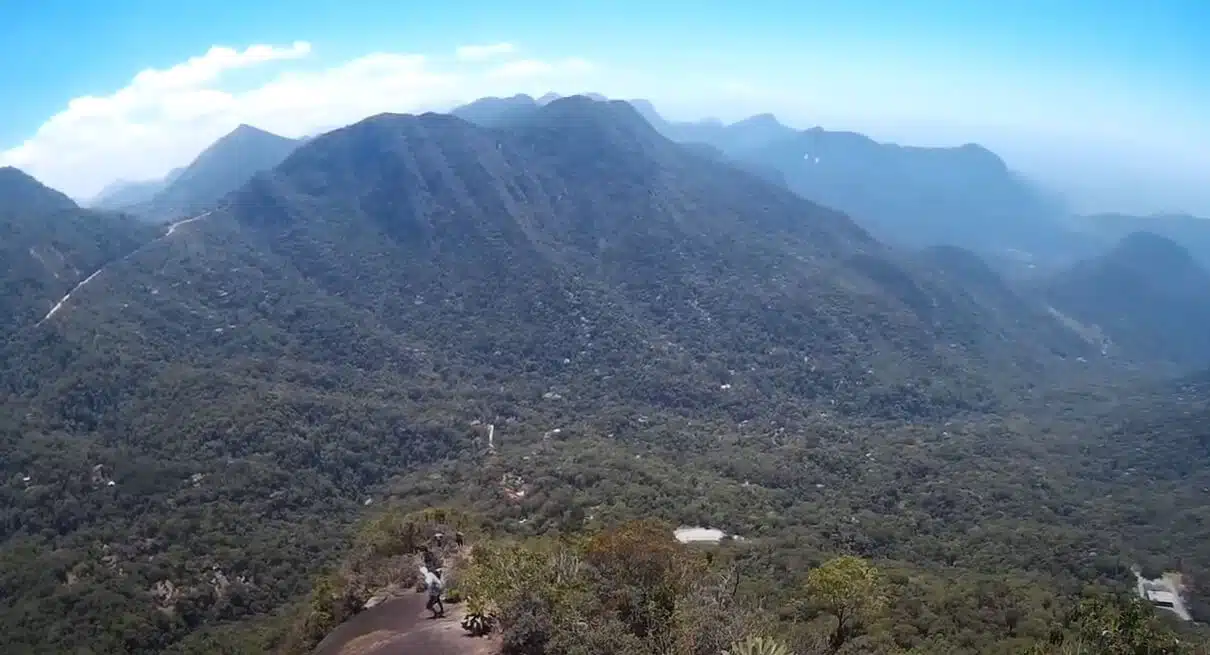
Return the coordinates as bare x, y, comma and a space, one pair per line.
1107, 101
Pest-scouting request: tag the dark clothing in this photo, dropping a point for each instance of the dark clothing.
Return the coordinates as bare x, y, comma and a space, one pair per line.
435, 601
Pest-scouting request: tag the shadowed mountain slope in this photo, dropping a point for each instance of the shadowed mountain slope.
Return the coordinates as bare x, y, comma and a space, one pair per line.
220, 169
1147, 295
48, 245
1191, 232
21, 193
914, 196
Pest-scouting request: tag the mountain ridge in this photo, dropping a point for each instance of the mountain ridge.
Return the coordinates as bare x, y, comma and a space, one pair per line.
1148, 294
221, 168
908, 195
22, 193
1192, 232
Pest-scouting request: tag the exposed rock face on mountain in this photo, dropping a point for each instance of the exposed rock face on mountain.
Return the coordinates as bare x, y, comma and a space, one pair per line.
222, 168
1147, 295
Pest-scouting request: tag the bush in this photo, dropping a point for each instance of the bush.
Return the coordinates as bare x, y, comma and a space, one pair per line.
529, 628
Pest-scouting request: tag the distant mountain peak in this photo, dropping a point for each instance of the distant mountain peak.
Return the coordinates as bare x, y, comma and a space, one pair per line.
1148, 293
11, 174
494, 111
1148, 247
21, 191
983, 156
516, 98
617, 115
221, 168
245, 131
761, 120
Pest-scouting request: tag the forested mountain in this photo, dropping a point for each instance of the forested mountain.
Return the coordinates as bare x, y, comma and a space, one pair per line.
1147, 295
611, 216
1191, 232
22, 194
655, 332
494, 112
48, 245
913, 196
1007, 310
500, 112
963, 196
220, 169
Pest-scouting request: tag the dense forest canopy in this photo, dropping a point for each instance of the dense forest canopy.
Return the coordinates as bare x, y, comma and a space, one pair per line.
558, 321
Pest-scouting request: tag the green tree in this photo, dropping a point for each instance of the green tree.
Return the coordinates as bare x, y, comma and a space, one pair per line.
641, 571
1113, 626
850, 589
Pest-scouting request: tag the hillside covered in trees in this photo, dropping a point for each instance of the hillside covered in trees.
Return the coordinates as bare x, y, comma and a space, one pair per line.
644, 329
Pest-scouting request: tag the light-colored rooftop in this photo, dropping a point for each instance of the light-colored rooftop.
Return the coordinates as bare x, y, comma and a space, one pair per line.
1161, 597
698, 535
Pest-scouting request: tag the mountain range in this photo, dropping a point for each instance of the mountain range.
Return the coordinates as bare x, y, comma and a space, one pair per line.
221, 168
193, 412
911, 196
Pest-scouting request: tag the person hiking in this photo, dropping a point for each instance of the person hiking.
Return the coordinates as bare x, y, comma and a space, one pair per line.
432, 582
431, 561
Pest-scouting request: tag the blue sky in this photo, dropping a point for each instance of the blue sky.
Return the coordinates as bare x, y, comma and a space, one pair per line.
1111, 89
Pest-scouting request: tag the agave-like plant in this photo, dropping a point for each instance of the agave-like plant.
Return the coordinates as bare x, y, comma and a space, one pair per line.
758, 646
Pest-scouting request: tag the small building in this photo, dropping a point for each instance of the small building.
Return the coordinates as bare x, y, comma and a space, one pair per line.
1163, 592
1160, 597
687, 535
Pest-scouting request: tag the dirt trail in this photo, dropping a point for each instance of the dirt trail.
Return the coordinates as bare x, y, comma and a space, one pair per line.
62, 301
401, 627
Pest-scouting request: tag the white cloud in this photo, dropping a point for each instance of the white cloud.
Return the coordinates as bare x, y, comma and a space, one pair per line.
485, 52
163, 118
208, 67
